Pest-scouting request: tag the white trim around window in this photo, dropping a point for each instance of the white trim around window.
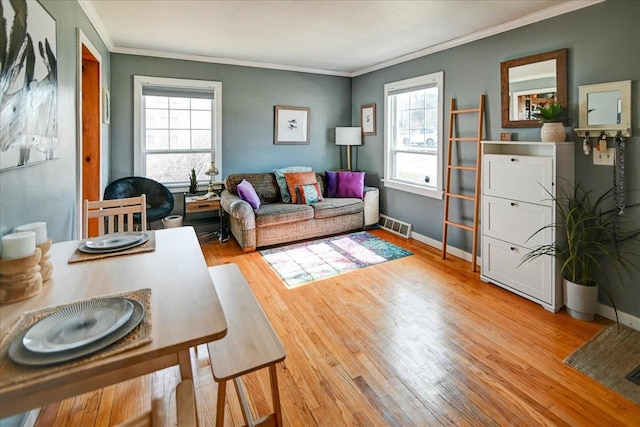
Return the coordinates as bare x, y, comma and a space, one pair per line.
178, 84
392, 147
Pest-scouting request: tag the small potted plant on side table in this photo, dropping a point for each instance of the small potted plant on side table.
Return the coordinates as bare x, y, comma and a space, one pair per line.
588, 233
552, 117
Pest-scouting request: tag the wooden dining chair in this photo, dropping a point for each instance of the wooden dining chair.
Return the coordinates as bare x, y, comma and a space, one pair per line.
118, 215
157, 416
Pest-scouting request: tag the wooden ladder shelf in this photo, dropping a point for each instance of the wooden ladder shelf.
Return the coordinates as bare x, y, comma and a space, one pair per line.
475, 198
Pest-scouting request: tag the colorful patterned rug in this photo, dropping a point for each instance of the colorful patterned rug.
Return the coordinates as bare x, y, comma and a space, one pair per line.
304, 262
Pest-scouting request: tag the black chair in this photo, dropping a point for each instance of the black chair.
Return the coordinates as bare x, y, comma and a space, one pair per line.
160, 201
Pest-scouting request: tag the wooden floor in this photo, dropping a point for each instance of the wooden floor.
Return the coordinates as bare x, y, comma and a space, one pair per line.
419, 341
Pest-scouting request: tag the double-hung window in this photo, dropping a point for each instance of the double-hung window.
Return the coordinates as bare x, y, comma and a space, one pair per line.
177, 128
413, 134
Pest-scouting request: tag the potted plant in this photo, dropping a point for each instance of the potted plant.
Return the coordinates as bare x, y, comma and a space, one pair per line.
552, 117
589, 233
193, 182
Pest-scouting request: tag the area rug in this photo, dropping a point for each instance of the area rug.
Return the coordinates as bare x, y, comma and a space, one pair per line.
608, 358
304, 262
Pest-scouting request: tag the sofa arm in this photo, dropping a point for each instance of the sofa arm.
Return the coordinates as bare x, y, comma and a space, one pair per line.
239, 209
371, 206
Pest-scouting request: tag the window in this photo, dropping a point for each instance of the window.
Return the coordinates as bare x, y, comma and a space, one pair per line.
413, 135
178, 127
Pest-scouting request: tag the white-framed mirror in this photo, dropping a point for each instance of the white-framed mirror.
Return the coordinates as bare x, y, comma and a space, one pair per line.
605, 107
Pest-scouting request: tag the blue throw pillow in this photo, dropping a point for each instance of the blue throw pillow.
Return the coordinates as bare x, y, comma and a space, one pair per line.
248, 194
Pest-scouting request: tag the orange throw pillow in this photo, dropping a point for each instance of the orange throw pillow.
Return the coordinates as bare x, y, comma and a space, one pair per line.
299, 178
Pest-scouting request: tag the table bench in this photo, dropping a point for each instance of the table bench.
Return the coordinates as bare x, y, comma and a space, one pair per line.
250, 344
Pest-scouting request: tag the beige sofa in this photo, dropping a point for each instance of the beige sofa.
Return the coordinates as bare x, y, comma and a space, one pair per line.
277, 222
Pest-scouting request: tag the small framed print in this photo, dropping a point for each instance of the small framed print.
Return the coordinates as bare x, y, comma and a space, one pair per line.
368, 119
292, 125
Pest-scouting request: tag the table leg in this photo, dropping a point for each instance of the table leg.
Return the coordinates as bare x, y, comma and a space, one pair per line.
184, 359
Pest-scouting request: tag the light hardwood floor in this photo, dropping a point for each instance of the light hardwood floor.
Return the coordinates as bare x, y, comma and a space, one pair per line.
418, 341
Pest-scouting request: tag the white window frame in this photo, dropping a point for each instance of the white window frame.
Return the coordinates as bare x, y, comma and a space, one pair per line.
138, 114
388, 181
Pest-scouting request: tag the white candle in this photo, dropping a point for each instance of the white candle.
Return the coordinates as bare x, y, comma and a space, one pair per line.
18, 245
40, 228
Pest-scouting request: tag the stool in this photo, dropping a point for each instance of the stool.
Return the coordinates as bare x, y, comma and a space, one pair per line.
250, 344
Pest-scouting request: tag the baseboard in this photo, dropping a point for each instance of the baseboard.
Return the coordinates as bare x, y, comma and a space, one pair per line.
438, 245
603, 310
625, 319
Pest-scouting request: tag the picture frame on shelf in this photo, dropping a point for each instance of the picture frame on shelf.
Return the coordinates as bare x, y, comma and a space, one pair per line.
292, 125
368, 119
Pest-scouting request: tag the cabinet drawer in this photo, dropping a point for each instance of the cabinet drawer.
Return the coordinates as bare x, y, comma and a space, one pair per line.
526, 178
516, 221
203, 206
501, 262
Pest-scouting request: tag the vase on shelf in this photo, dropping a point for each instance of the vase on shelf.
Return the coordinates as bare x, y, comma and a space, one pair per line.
553, 132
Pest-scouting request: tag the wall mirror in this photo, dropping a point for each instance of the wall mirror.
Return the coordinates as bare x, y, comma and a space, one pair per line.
530, 82
605, 107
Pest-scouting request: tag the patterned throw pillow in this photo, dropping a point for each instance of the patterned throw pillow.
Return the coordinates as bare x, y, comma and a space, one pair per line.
299, 178
248, 194
309, 193
282, 183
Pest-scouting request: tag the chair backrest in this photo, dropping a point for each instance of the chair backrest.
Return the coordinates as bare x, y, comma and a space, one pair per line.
118, 214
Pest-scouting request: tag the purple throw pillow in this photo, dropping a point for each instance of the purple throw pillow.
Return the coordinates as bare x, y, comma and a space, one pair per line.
332, 183
351, 184
248, 194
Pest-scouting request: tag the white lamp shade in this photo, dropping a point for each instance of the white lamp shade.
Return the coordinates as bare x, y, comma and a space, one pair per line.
349, 136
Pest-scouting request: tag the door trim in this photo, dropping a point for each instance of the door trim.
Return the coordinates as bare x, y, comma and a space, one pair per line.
84, 40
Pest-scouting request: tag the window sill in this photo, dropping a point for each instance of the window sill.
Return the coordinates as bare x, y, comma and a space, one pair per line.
415, 189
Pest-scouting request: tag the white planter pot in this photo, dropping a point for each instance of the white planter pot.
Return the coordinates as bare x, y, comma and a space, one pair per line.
553, 132
581, 301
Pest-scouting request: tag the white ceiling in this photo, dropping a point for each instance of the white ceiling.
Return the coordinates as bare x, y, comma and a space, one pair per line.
333, 37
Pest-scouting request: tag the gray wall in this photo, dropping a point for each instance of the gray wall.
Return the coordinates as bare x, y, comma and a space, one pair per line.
248, 97
602, 43
47, 191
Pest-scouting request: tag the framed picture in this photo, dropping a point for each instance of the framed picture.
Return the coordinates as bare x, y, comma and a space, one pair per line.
106, 106
368, 119
292, 125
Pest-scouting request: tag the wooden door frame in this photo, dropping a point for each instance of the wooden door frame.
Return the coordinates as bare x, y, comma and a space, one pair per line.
83, 40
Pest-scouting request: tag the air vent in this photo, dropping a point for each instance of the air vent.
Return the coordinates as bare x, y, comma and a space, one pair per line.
395, 226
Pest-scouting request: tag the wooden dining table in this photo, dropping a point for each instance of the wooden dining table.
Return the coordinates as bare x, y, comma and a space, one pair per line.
185, 312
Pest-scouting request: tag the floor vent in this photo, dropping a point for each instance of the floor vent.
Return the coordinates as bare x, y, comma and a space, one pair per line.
395, 226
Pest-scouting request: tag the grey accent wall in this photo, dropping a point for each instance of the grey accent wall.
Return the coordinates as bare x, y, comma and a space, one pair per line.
602, 42
248, 99
47, 191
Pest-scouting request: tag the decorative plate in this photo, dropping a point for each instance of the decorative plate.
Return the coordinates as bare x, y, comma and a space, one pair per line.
19, 354
84, 248
77, 325
114, 240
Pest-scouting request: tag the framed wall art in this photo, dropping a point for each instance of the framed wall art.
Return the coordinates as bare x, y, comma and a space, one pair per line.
292, 125
28, 85
368, 119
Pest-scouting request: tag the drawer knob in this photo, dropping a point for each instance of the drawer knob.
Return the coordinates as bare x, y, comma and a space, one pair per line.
513, 159
513, 204
512, 248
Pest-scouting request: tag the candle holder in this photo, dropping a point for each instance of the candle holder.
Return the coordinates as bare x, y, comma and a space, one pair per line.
20, 278
46, 266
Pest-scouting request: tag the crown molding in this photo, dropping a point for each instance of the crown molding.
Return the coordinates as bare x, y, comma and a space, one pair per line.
227, 61
98, 25
488, 32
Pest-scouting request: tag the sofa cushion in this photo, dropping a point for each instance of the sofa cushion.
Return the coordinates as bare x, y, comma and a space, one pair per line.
264, 183
282, 213
294, 179
331, 207
282, 183
248, 193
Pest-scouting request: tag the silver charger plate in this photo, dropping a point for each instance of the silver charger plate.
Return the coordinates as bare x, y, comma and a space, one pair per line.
19, 354
84, 248
113, 240
77, 325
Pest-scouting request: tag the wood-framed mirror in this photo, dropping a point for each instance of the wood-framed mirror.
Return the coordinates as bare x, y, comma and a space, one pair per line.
528, 82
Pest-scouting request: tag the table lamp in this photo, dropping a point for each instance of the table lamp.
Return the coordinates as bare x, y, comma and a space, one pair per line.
211, 172
348, 136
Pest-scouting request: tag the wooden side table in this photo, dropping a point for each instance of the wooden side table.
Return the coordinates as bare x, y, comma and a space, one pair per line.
193, 204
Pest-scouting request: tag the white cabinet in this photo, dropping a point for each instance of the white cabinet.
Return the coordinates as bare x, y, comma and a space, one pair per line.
518, 182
